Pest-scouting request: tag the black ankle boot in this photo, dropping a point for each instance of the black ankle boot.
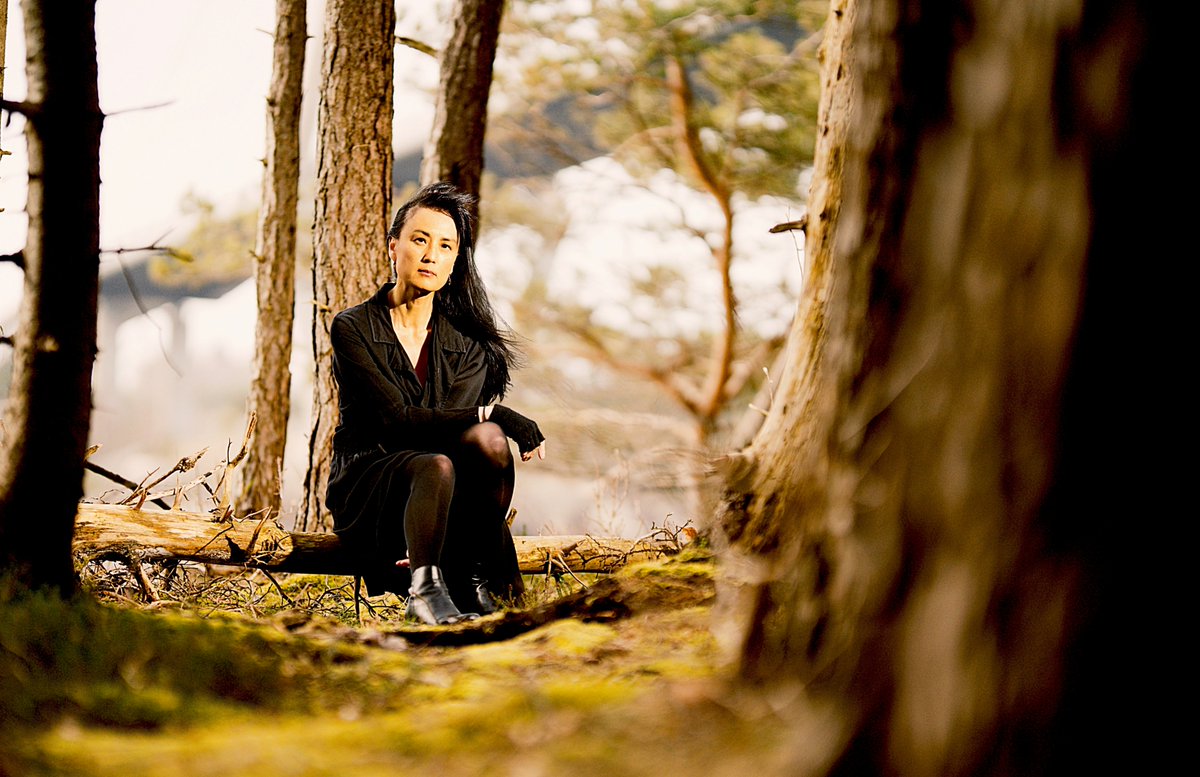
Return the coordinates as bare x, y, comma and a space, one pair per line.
429, 601
486, 602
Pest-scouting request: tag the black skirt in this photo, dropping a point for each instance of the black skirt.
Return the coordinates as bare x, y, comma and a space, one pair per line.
367, 496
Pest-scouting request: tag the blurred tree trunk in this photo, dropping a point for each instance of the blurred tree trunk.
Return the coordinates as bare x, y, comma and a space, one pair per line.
924, 536
44, 431
454, 151
275, 264
354, 187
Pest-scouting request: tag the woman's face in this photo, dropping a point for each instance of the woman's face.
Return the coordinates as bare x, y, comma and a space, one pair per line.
424, 253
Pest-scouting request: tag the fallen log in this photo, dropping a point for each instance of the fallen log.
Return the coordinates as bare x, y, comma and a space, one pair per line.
121, 531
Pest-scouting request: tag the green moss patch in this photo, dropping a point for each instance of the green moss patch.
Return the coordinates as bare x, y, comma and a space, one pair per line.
621, 678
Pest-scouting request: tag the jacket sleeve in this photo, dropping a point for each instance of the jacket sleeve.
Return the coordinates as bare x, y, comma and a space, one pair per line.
359, 375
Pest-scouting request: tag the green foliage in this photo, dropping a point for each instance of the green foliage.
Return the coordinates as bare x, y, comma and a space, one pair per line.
219, 249
588, 78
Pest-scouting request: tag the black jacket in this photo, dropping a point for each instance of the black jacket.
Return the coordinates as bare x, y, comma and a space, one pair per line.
387, 418
381, 402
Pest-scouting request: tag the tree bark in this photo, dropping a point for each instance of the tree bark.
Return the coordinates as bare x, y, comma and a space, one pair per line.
454, 151
921, 537
44, 430
275, 265
261, 543
354, 187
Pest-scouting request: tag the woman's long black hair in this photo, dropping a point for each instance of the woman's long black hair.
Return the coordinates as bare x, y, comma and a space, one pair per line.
464, 300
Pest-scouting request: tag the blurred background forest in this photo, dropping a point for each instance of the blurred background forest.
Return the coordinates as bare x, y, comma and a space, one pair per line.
641, 273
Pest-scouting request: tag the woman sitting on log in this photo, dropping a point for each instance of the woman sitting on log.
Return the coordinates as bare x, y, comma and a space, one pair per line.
422, 474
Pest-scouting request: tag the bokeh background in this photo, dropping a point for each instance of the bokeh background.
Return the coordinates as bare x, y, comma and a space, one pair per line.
597, 252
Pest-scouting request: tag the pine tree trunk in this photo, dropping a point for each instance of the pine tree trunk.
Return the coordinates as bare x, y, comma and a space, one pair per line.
275, 265
454, 151
45, 425
354, 186
919, 544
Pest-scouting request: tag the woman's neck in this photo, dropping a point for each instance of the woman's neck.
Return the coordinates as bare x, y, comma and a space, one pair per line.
410, 312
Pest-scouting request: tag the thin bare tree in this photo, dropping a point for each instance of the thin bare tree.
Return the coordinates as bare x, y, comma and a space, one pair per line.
269, 402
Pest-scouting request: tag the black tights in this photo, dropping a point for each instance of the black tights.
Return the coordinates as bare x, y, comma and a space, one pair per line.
477, 477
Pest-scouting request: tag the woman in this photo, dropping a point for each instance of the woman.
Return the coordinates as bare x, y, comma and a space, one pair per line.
422, 474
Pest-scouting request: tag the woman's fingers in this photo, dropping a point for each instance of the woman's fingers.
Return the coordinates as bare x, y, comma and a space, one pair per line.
402, 562
540, 451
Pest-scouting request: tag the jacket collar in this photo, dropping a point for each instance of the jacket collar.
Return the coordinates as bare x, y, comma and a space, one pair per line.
445, 336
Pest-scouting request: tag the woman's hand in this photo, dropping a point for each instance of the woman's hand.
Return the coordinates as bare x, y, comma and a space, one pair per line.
522, 430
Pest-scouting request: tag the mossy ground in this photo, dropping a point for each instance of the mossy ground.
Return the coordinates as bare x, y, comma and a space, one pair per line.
101, 688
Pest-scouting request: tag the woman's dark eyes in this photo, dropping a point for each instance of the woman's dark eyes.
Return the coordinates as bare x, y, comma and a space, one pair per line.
446, 246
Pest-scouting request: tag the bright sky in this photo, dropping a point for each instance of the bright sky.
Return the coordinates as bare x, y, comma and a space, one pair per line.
206, 64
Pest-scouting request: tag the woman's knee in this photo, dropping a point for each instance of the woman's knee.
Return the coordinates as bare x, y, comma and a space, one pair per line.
488, 442
434, 469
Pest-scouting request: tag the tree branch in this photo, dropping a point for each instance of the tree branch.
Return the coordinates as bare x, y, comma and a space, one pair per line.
119, 480
133, 290
687, 140
417, 45
26, 109
800, 224
154, 246
138, 109
18, 259
742, 369
671, 382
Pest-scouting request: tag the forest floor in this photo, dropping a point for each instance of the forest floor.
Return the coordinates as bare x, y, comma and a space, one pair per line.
621, 678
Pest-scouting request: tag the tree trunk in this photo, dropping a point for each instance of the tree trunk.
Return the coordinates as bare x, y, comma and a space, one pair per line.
354, 186
275, 265
454, 151
46, 419
921, 536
